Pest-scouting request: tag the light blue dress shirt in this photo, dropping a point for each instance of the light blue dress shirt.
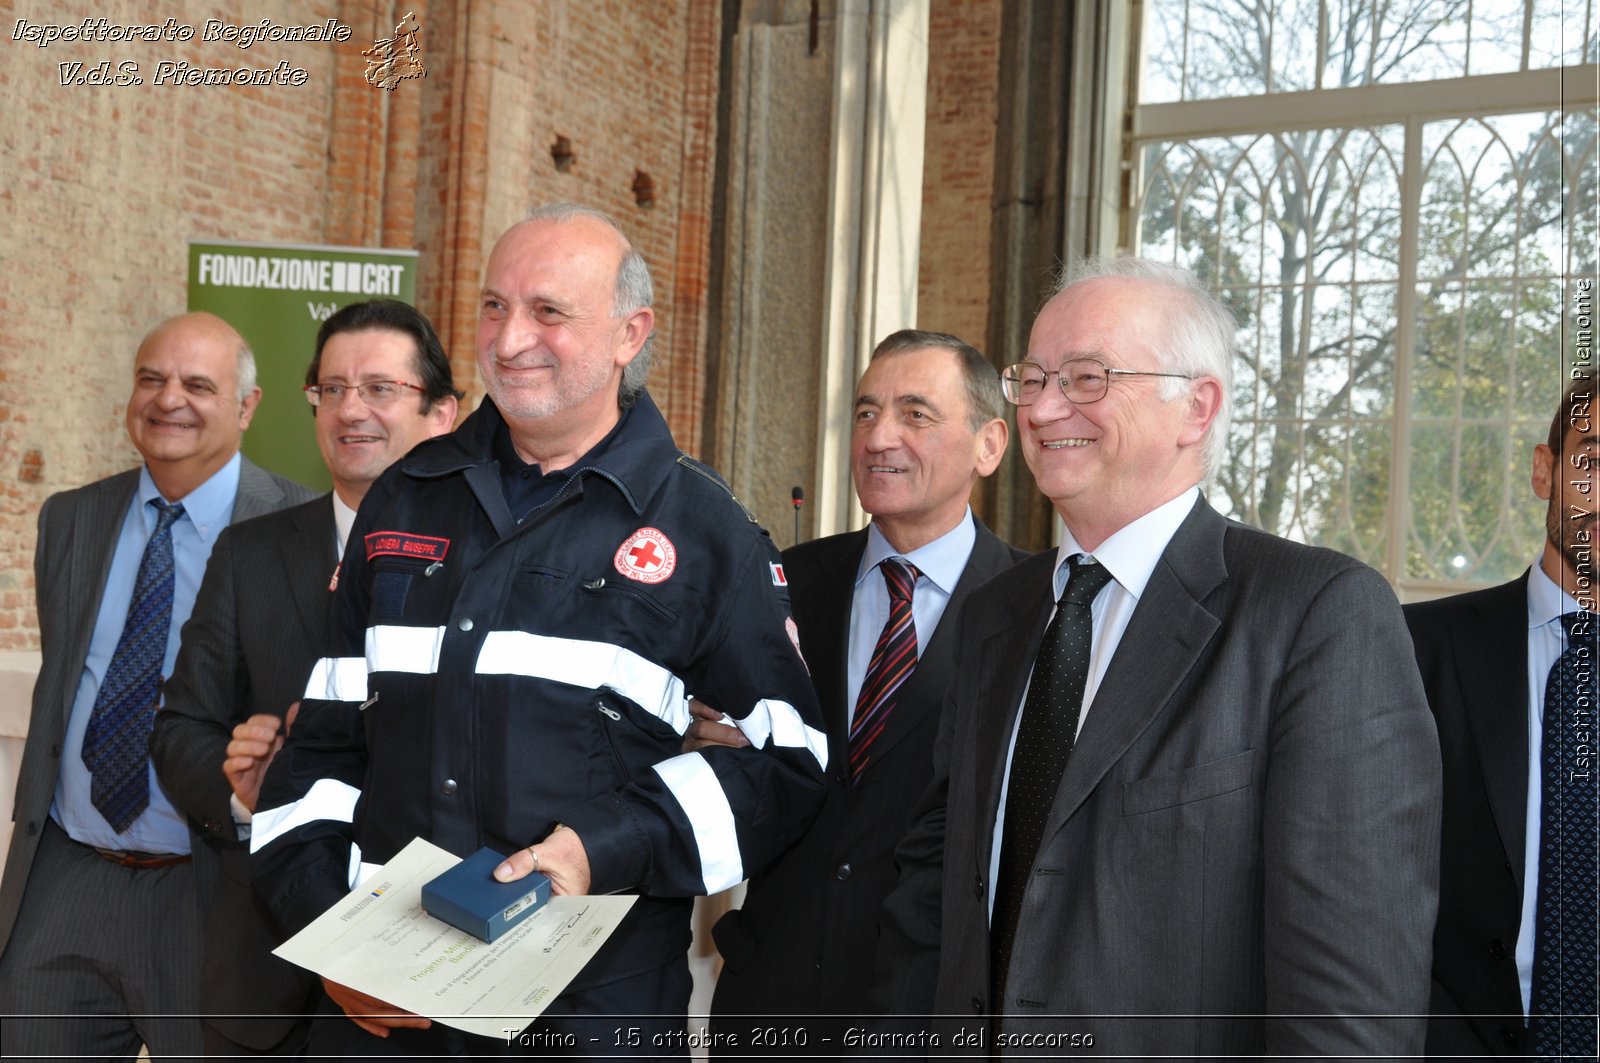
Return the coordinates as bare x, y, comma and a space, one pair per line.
206, 511
939, 566
1546, 642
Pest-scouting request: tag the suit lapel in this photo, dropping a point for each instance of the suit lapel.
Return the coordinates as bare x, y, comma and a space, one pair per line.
308, 562
258, 492
1008, 642
1494, 692
821, 587
1167, 633
91, 547
837, 586
923, 693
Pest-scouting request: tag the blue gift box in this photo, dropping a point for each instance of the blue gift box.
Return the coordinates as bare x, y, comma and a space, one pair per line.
469, 898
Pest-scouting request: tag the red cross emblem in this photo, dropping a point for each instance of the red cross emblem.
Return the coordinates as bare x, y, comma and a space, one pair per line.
646, 556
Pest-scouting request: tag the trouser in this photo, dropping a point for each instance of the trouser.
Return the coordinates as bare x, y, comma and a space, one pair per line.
102, 958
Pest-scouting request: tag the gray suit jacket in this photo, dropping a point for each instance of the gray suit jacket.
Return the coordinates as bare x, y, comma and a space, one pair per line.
260, 622
1241, 857
71, 560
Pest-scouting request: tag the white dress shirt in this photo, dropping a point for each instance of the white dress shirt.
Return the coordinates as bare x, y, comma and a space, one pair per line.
1130, 556
344, 518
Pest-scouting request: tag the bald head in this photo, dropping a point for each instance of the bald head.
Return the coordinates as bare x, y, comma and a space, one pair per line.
194, 393
205, 323
556, 355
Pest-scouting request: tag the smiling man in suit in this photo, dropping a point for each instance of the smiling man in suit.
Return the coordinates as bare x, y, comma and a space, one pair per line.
1186, 789
379, 384
928, 425
98, 910
1514, 951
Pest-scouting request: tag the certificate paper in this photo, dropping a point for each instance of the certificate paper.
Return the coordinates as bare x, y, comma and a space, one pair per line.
379, 940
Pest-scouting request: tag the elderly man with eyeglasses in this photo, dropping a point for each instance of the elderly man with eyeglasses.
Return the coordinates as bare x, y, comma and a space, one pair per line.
1186, 799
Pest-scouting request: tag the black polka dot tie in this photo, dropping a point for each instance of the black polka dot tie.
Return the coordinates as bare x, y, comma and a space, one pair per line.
1044, 742
1561, 1023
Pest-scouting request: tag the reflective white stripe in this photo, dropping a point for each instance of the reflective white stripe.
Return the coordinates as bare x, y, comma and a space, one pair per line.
700, 795
780, 720
338, 679
391, 648
360, 871
327, 799
580, 663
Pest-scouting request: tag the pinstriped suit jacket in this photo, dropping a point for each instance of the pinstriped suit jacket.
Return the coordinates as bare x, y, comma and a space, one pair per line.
72, 558
260, 622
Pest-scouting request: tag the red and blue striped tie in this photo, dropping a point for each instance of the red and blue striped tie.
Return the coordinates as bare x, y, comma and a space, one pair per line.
893, 660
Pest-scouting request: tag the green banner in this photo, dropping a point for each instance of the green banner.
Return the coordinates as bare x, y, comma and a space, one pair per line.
277, 296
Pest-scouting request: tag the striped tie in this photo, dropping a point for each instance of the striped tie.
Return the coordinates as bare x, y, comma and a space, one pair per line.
116, 743
893, 660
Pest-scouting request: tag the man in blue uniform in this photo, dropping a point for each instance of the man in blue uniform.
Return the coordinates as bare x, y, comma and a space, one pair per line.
524, 608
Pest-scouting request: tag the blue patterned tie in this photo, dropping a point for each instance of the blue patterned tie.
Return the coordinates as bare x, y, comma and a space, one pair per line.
894, 658
116, 744
1562, 1018
1045, 736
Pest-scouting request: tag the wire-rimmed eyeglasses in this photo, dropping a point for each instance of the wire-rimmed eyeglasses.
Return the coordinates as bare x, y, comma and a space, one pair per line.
1082, 380
373, 392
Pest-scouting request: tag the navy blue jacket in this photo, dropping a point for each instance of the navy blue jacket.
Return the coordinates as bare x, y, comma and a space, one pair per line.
491, 679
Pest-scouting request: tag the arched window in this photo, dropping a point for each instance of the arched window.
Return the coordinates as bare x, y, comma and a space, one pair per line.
1401, 202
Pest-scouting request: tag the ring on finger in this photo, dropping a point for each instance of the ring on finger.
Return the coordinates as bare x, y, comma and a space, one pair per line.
535, 855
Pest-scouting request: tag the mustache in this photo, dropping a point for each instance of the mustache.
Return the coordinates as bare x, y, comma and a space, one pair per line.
521, 361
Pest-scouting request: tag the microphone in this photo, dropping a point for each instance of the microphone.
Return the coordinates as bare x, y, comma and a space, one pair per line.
797, 496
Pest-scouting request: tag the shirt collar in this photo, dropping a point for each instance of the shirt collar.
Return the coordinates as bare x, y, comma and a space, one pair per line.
636, 458
1130, 555
208, 507
941, 561
1546, 601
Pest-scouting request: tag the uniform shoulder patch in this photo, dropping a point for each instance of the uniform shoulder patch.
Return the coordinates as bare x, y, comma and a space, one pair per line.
647, 556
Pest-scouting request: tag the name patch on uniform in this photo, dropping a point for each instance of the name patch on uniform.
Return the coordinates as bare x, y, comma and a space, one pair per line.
778, 578
647, 556
404, 544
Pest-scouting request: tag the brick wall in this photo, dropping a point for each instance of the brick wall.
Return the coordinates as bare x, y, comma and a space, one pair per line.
104, 186
958, 170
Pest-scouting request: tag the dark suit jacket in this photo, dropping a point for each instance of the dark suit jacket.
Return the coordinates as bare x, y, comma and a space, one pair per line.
1473, 652
71, 560
802, 942
1240, 856
260, 622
